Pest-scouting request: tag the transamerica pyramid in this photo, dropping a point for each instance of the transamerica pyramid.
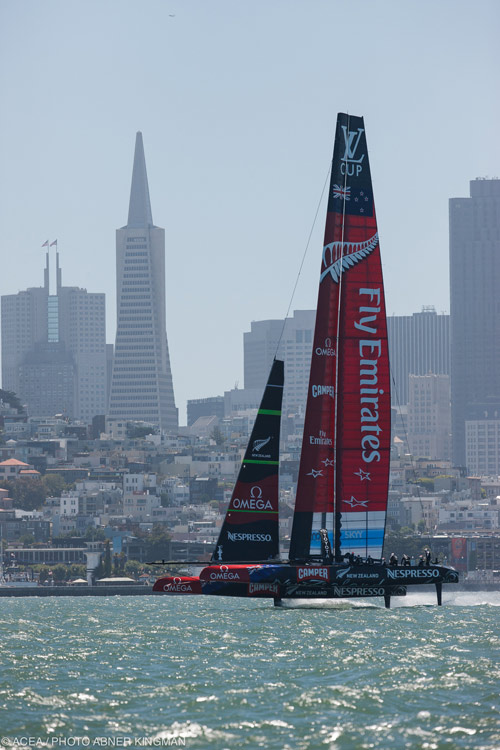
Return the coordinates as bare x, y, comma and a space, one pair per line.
141, 384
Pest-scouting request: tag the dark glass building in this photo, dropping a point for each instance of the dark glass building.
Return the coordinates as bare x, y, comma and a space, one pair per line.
475, 309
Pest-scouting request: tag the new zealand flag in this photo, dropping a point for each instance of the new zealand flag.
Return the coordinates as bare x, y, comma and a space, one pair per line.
354, 201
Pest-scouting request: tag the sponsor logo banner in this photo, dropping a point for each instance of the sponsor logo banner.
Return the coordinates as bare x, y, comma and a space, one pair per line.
241, 537
178, 585
309, 573
235, 573
357, 576
323, 390
321, 439
253, 503
261, 589
422, 573
262, 448
341, 591
326, 350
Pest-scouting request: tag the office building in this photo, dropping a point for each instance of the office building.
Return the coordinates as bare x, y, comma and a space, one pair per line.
429, 416
475, 309
141, 384
212, 406
53, 347
418, 344
292, 343
482, 447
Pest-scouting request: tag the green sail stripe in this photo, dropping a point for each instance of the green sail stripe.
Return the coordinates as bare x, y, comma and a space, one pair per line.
252, 461
233, 510
270, 411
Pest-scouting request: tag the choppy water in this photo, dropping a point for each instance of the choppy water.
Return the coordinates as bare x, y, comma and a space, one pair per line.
235, 673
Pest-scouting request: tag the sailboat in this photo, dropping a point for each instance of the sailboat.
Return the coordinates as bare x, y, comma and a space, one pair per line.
339, 521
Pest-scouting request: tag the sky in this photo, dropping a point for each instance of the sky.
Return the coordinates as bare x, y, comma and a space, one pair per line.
237, 103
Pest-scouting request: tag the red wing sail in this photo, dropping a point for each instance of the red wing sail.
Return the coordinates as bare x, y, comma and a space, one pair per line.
344, 467
251, 527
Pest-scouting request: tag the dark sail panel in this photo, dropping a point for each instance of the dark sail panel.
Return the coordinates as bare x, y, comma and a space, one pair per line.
251, 527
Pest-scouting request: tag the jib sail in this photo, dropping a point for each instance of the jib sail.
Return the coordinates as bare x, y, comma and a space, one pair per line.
344, 467
251, 527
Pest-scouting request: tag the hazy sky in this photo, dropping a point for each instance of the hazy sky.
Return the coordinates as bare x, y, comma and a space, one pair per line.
237, 102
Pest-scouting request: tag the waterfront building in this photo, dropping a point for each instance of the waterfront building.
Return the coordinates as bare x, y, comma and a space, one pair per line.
53, 347
474, 310
418, 344
141, 384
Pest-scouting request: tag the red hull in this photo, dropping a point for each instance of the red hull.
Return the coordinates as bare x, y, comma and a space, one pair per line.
177, 585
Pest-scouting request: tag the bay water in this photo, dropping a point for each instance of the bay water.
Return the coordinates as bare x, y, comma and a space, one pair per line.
208, 672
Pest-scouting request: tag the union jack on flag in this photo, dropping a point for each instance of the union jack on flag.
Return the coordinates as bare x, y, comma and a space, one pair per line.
340, 192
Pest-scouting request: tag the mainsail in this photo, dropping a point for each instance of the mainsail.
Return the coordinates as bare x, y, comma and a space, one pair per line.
344, 466
251, 528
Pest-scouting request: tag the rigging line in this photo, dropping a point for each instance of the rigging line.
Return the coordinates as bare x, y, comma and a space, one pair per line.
302, 262
337, 347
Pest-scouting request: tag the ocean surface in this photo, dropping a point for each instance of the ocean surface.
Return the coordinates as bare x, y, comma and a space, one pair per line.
206, 672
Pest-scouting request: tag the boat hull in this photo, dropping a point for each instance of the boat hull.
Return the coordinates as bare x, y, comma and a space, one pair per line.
305, 581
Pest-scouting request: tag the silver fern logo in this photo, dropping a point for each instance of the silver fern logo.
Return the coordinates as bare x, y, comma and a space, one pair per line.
259, 444
340, 256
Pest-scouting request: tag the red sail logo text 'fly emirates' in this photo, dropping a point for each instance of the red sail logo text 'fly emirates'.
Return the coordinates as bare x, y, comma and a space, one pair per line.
368, 369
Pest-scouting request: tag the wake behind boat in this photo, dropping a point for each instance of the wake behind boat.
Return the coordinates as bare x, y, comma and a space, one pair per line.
339, 521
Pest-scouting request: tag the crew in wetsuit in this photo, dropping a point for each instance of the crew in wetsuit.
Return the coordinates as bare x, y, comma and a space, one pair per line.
427, 557
393, 560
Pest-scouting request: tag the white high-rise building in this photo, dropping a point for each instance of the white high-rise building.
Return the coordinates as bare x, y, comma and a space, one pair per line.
141, 384
429, 416
292, 343
54, 347
418, 344
482, 447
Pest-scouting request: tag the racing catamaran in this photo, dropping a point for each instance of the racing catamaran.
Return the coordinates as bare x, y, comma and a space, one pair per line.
341, 502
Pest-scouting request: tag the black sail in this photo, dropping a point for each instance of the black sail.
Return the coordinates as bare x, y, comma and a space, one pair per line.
250, 531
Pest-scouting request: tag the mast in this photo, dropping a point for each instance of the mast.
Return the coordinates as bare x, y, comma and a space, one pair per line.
344, 467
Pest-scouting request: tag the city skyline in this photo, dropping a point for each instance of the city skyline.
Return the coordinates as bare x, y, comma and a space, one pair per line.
237, 105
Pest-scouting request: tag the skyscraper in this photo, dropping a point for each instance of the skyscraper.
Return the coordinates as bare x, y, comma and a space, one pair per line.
419, 344
54, 347
429, 419
475, 309
141, 384
295, 340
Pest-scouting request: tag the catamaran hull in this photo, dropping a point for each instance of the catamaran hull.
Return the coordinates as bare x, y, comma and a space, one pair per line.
306, 581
